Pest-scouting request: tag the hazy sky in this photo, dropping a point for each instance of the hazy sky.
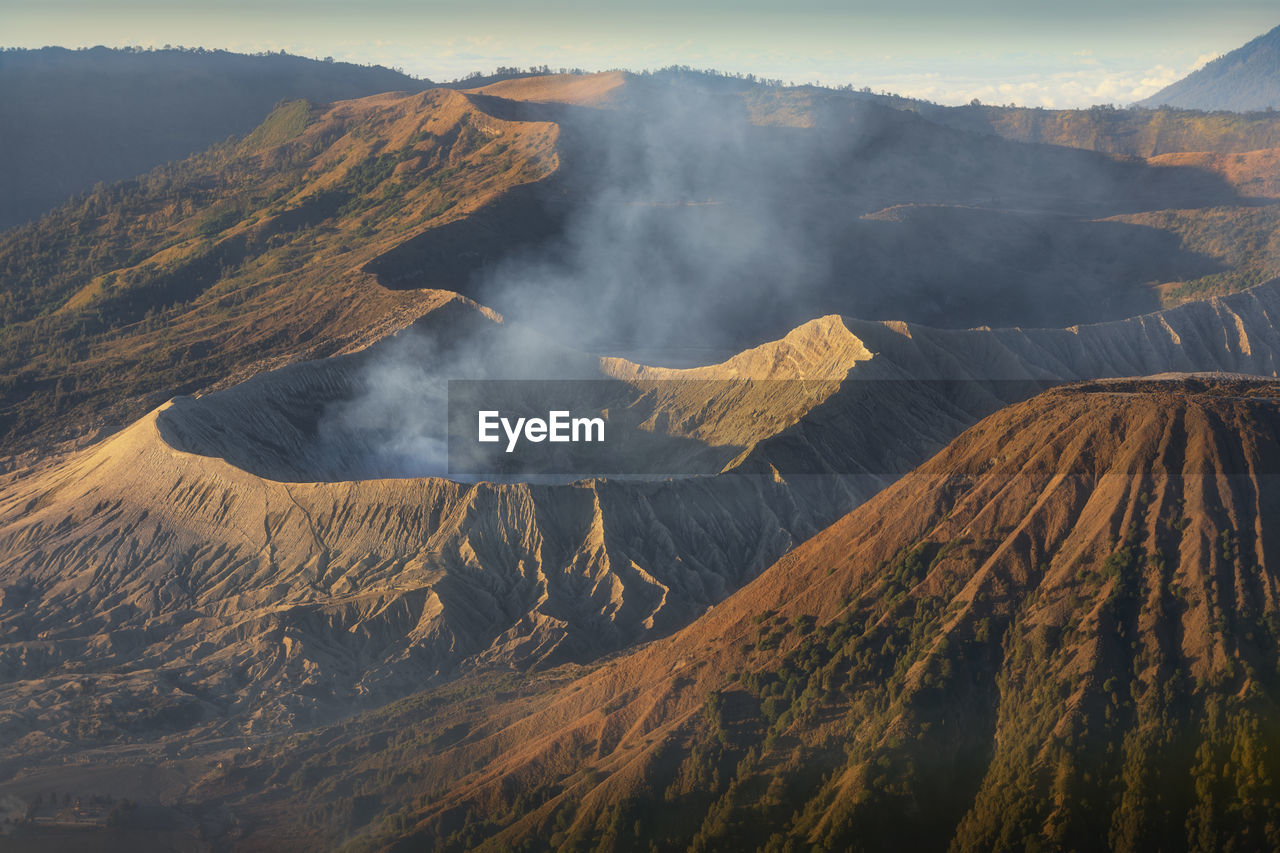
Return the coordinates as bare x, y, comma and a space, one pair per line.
1035, 52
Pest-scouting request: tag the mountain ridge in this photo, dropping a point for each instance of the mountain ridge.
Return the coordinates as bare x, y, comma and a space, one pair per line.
187, 267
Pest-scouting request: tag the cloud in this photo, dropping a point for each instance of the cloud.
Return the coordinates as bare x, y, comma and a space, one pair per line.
1204, 59
1081, 87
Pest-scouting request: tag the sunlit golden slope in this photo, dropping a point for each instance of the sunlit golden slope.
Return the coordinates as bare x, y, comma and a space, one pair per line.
581, 89
248, 256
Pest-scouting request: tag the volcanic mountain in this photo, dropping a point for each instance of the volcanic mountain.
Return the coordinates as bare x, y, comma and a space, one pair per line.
634, 217
790, 299
1062, 628
1246, 79
254, 559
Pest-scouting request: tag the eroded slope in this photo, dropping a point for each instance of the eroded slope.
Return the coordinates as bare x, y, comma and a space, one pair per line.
178, 567
1061, 629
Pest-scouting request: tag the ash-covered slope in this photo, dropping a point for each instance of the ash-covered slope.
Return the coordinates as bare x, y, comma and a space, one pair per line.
1062, 631
266, 600
203, 564
936, 382
150, 557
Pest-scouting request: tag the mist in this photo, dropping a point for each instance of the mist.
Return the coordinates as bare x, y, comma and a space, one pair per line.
398, 412
708, 215
699, 216
684, 232
392, 421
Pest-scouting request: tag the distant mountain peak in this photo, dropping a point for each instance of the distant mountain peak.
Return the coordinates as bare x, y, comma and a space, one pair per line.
1246, 79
